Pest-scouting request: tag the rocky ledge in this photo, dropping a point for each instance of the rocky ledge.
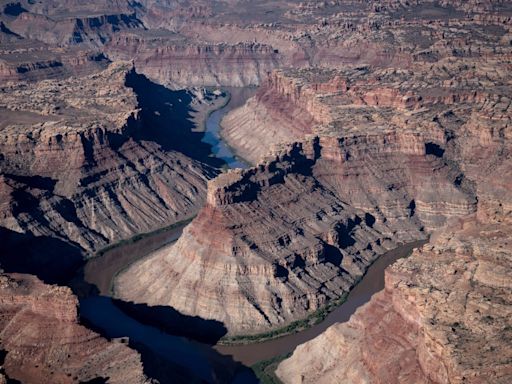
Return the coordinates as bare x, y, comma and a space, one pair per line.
82, 161
45, 344
276, 242
444, 317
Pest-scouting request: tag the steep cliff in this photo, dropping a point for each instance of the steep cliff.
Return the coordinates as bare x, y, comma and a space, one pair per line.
376, 64
276, 242
45, 343
80, 163
444, 317
180, 62
396, 149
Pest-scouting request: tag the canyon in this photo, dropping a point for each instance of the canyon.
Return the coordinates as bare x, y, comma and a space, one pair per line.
375, 125
77, 164
443, 317
68, 352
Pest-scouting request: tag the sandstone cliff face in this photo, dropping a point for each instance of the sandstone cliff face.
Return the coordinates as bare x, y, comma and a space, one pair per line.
282, 111
181, 63
400, 148
45, 343
402, 63
276, 242
444, 316
206, 43
29, 60
90, 30
72, 168
413, 129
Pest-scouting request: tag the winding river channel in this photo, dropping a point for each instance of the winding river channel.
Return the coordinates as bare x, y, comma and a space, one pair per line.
205, 361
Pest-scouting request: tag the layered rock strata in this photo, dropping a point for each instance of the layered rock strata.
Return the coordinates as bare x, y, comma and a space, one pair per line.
447, 93
444, 317
208, 43
193, 63
45, 344
72, 165
403, 144
276, 242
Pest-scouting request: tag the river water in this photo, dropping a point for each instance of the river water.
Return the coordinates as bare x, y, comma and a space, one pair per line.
371, 283
237, 97
204, 361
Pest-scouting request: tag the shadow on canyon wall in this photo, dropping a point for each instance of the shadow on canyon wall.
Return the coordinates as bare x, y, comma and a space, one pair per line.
52, 260
174, 347
171, 321
166, 119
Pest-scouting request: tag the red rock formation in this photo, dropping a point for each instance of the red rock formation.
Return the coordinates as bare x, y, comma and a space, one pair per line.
181, 63
112, 186
409, 147
278, 241
45, 343
444, 316
72, 26
409, 101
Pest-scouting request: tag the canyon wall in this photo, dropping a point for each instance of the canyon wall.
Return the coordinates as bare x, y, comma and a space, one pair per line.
45, 344
298, 230
181, 63
393, 119
199, 43
80, 167
380, 154
444, 317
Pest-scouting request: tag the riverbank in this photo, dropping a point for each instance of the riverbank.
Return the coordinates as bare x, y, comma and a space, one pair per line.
301, 325
265, 370
213, 101
294, 327
236, 98
370, 283
107, 263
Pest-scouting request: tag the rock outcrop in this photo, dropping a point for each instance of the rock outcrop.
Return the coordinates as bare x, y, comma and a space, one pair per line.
76, 163
391, 119
45, 344
397, 147
444, 317
278, 241
68, 29
181, 63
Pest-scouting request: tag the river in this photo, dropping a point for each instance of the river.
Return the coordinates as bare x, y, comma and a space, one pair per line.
237, 97
99, 311
372, 282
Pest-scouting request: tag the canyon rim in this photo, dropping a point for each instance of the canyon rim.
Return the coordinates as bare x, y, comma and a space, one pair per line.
185, 184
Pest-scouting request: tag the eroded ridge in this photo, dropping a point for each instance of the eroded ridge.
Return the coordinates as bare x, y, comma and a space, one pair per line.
79, 162
444, 316
276, 242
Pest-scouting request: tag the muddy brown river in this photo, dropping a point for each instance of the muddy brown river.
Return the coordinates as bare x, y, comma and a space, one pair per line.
102, 270
371, 283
